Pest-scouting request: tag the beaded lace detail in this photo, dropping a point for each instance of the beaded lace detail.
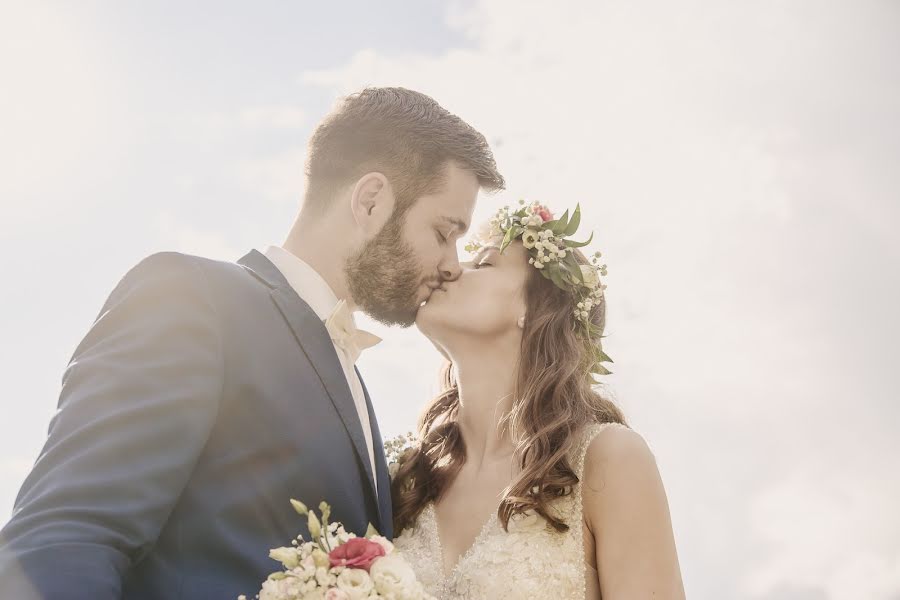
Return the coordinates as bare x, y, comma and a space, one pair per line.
532, 560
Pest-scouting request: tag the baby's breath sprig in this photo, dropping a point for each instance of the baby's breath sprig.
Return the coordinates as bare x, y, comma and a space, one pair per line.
396, 447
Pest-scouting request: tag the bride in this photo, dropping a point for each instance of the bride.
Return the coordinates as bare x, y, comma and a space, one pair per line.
527, 483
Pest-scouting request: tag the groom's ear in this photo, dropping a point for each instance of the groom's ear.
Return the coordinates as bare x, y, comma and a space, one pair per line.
372, 202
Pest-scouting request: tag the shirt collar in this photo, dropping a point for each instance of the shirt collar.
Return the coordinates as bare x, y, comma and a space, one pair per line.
304, 280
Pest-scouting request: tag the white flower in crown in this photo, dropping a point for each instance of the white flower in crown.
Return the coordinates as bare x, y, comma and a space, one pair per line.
589, 275
530, 239
534, 221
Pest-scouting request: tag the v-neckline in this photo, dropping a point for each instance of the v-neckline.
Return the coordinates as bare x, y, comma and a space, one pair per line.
445, 574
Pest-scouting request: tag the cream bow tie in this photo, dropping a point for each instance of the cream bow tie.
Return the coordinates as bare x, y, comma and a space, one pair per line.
345, 334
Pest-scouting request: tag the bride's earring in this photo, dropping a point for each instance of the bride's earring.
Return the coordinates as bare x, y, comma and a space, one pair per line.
521, 322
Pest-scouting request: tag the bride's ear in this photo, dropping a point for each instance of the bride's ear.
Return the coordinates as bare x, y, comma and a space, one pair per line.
521, 322
372, 202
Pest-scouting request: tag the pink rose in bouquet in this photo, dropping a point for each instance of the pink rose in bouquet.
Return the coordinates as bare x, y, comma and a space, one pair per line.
358, 553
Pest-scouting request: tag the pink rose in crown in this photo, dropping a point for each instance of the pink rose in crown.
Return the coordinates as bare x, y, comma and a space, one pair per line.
543, 213
356, 553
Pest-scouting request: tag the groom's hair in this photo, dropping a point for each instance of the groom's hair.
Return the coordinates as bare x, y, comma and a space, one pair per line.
401, 133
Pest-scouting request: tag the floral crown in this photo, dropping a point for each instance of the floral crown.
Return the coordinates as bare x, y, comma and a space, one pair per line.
550, 250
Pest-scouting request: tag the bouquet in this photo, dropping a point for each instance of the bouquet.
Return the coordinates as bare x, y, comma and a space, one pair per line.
337, 565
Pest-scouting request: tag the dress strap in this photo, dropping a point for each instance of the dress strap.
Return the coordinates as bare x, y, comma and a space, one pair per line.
576, 515
590, 432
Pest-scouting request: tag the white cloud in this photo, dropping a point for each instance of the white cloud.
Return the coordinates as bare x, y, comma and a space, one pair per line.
44, 57
255, 119
824, 533
13, 470
277, 117
178, 236
279, 178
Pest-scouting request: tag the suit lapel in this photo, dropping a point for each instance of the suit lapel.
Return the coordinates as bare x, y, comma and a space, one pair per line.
385, 508
313, 338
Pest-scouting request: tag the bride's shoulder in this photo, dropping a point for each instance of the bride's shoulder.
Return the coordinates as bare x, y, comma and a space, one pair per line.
620, 476
613, 451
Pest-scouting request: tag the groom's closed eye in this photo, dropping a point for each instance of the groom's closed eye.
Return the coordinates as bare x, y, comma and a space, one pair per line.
458, 225
443, 238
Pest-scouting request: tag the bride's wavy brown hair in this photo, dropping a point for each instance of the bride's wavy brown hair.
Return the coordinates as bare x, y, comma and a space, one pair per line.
553, 400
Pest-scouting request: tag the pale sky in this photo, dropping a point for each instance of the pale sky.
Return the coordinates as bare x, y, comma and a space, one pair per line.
738, 162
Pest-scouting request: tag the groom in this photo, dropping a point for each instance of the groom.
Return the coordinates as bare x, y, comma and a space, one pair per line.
207, 394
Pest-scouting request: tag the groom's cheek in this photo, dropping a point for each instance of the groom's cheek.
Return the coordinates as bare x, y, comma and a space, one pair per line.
425, 254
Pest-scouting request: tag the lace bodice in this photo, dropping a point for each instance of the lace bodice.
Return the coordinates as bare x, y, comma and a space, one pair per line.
531, 560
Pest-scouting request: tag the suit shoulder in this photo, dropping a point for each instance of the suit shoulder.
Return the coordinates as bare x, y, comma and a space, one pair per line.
164, 261
176, 264
177, 260
179, 278
165, 273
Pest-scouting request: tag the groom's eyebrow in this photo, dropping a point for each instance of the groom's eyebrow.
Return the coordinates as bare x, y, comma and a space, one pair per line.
460, 225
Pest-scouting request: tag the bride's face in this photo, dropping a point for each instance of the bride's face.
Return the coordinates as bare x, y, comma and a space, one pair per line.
486, 301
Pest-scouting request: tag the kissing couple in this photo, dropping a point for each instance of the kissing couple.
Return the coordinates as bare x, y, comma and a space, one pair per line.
207, 394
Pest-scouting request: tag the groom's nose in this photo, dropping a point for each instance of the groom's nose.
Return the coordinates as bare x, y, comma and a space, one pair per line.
450, 269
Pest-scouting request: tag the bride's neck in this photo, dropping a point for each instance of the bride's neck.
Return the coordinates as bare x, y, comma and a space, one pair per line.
486, 386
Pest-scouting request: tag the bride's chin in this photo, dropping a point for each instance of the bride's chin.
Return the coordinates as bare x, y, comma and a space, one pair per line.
427, 321
423, 318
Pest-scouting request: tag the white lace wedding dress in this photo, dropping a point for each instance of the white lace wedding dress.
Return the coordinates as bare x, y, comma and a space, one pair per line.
530, 561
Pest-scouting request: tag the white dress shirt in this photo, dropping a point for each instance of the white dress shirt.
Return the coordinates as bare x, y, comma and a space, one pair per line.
316, 292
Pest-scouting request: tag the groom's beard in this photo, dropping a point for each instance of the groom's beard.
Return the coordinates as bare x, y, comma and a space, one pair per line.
384, 277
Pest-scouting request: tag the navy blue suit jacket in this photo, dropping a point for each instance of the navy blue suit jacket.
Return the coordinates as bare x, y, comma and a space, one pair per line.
204, 397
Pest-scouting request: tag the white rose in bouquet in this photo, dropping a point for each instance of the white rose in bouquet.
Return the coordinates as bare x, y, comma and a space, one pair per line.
394, 578
383, 542
356, 583
325, 578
